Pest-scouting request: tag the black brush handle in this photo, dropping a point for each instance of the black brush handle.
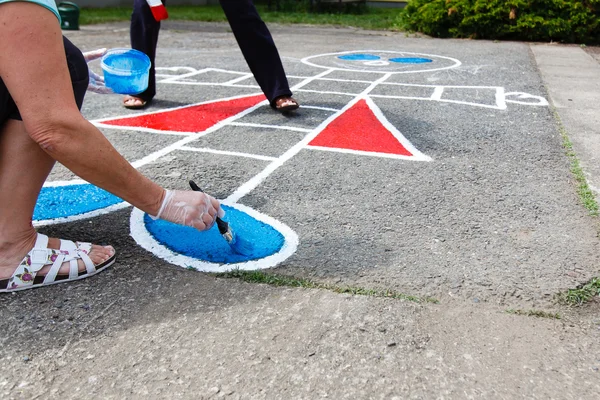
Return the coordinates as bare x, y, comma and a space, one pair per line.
222, 225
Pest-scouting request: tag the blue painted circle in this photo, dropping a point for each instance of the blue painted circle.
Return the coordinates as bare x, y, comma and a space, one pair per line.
410, 60
67, 201
359, 57
210, 246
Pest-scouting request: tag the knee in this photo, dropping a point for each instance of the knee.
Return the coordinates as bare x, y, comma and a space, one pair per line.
78, 70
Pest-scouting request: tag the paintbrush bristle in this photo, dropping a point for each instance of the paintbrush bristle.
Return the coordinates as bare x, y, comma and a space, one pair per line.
238, 244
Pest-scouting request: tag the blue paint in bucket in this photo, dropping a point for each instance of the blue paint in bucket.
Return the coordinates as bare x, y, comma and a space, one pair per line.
359, 57
126, 71
210, 246
66, 201
410, 60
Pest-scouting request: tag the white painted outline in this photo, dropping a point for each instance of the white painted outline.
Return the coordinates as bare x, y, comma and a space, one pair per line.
456, 62
226, 153
416, 154
143, 237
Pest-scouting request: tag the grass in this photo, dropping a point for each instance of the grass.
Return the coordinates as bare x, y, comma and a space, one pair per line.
583, 189
373, 18
282, 280
582, 295
534, 313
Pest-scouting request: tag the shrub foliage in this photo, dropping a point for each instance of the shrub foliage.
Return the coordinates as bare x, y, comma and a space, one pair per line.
570, 21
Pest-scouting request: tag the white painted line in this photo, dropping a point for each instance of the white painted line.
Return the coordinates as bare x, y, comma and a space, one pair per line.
327, 92
227, 71
346, 80
437, 93
369, 153
540, 100
173, 69
76, 181
189, 74
174, 146
244, 86
399, 136
496, 107
443, 86
140, 129
141, 235
322, 108
455, 62
261, 176
226, 153
236, 80
500, 98
127, 116
285, 128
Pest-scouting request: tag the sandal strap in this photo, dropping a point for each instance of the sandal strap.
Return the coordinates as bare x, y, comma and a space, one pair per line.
79, 250
40, 255
58, 262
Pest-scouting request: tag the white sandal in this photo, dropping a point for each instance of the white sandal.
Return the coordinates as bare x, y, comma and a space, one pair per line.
24, 276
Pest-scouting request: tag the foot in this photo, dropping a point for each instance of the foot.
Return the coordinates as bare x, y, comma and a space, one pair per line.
134, 103
13, 254
285, 103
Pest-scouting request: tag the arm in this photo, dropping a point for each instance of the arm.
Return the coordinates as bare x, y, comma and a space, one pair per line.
34, 69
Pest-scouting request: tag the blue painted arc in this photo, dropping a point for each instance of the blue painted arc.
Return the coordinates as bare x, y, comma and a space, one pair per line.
359, 57
210, 246
411, 60
70, 200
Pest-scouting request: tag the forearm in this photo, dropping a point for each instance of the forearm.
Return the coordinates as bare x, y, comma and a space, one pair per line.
82, 148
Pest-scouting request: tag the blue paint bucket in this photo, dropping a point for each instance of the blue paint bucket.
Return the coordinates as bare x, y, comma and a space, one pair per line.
126, 71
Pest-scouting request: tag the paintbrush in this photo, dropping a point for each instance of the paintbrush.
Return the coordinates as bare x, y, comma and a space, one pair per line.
238, 244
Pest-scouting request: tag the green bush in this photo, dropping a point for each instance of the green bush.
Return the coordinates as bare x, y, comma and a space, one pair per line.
570, 21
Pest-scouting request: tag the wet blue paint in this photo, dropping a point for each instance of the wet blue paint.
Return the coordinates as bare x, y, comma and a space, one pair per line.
411, 60
126, 71
210, 246
359, 57
66, 201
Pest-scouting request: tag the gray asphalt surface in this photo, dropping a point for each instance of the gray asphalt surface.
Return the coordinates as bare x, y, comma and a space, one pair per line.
492, 222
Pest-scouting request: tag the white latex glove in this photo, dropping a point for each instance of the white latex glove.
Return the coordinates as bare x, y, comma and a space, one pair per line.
96, 83
195, 209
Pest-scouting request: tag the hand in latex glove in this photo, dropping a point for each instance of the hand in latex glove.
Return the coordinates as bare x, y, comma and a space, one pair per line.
195, 209
96, 83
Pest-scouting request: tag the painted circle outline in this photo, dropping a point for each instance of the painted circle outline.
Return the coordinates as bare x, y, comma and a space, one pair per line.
306, 61
145, 240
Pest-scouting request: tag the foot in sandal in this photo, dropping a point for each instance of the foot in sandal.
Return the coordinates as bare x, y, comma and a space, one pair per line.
52, 261
134, 103
285, 104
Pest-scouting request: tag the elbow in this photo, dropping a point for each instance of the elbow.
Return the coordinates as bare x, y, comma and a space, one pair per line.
54, 134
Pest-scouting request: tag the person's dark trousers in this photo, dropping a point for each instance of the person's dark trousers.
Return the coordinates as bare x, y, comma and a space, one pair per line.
257, 46
144, 37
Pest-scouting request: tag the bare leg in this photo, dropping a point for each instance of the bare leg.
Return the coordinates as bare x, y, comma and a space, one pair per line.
24, 167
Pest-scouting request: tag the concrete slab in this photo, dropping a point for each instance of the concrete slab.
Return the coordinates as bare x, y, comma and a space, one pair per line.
573, 80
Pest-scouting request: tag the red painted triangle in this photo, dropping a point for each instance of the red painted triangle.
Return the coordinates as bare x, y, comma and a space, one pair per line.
358, 128
196, 118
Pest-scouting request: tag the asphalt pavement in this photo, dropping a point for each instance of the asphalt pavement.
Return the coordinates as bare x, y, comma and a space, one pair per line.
431, 168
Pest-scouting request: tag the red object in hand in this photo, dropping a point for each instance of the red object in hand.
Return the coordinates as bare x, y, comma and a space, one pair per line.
159, 11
